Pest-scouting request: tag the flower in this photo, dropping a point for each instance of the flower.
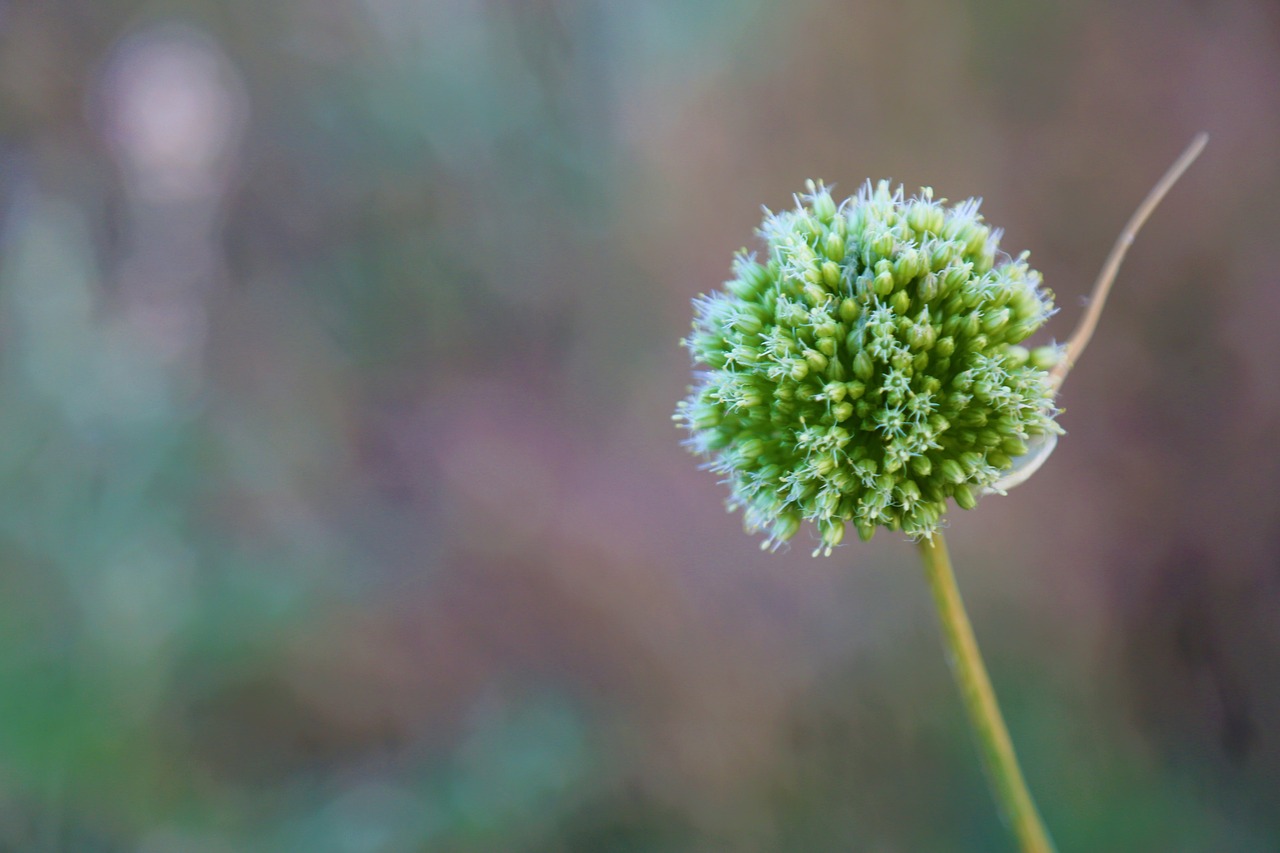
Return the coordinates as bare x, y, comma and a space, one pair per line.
868, 367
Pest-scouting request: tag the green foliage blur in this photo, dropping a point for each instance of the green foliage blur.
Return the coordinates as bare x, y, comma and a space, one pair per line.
340, 505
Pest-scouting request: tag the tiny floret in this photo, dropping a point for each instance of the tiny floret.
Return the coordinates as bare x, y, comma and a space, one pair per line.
869, 368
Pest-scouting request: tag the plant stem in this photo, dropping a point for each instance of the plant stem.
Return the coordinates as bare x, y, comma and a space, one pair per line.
1007, 784
1102, 287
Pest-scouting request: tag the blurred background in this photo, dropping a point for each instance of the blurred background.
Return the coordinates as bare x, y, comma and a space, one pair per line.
340, 504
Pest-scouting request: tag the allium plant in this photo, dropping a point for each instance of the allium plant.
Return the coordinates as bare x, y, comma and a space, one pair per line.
868, 367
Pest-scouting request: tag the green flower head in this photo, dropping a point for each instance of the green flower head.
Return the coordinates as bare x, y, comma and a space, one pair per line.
868, 367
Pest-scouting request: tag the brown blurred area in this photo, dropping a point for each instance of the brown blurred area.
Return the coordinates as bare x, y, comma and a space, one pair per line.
342, 509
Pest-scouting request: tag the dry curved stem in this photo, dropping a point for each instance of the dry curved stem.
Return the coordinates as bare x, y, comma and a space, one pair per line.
1102, 287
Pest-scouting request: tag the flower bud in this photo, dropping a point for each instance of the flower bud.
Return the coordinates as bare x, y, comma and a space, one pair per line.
831, 275
863, 367
1045, 358
956, 275
952, 471
1000, 460
1018, 356
849, 310
824, 207
908, 265
834, 247
996, 320
927, 290
832, 533
1013, 446
882, 245
965, 498
786, 526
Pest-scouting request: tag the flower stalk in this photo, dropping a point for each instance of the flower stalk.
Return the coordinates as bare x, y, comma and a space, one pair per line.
1007, 784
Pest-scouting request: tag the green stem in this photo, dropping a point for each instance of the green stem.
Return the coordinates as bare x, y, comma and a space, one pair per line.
1007, 784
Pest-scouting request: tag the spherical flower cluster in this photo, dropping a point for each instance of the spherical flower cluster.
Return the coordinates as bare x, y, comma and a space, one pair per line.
868, 368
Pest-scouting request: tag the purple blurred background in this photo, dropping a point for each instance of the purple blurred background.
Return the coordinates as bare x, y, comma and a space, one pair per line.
342, 509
